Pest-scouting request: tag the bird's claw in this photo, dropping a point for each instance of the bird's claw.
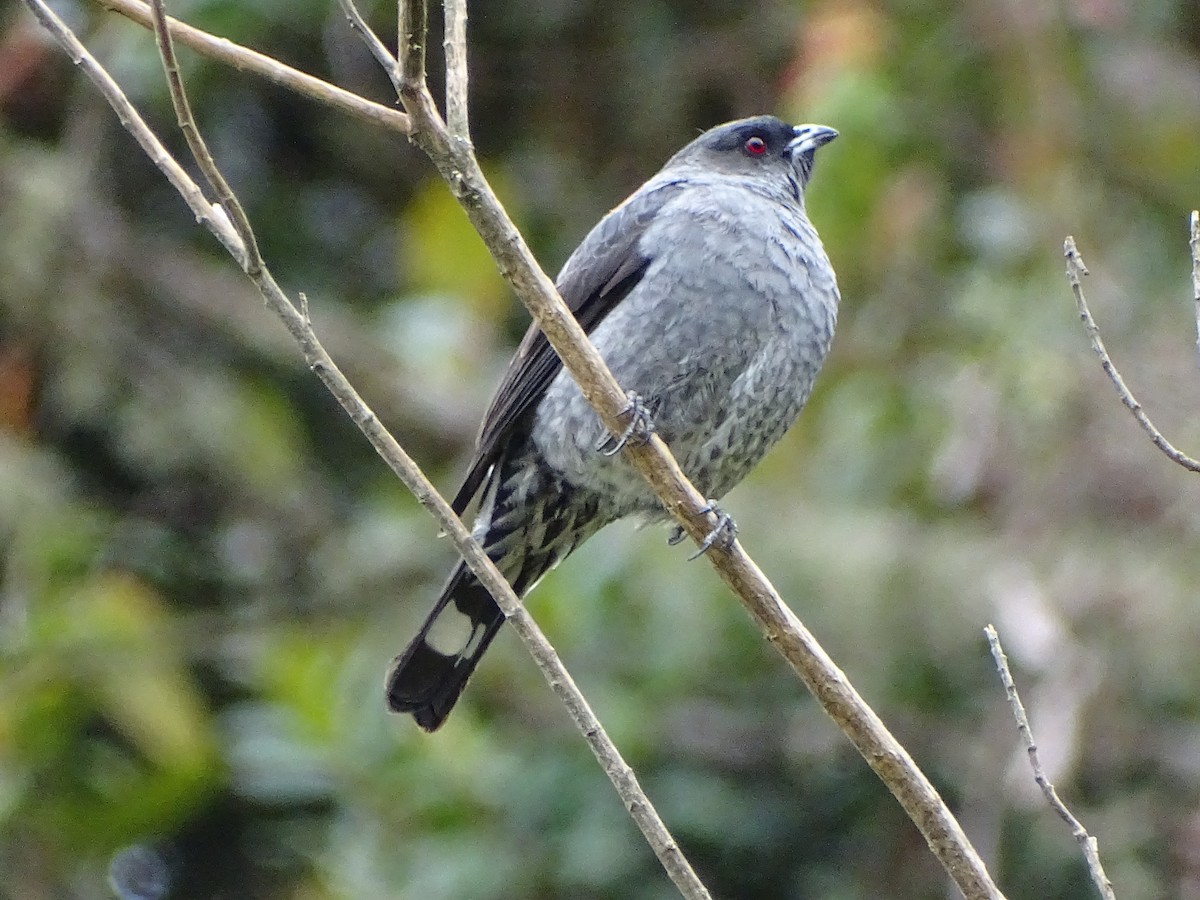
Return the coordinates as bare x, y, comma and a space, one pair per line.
638, 430
722, 535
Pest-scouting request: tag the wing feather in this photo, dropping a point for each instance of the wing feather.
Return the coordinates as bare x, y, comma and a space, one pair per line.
600, 273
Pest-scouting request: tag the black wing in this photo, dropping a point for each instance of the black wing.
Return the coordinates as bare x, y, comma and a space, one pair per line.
601, 271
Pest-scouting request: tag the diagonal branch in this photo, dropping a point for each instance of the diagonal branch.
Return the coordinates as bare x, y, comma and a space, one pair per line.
247, 60
252, 259
211, 217
382, 55
1075, 272
886, 756
1089, 845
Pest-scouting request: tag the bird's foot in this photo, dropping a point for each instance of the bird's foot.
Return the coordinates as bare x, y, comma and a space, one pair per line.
638, 429
722, 535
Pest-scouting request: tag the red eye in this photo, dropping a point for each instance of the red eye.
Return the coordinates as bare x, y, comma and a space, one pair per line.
755, 146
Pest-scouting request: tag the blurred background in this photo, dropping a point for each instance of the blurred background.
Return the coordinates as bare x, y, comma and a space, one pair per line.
204, 569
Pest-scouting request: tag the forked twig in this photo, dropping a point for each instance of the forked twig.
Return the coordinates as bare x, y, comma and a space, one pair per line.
1075, 271
1089, 845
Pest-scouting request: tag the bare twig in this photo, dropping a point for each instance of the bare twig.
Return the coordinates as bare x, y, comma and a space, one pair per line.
298, 324
1089, 845
247, 60
1075, 271
251, 259
455, 45
1194, 244
382, 55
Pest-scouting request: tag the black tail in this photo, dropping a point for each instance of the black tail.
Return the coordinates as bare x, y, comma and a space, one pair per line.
426, 681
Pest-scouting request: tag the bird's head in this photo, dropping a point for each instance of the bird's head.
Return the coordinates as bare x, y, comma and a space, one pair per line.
761, 145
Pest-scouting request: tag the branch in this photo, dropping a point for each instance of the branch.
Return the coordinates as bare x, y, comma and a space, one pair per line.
1075, 270
212, 218
247, 60
455, 46
414, 23
298, 324
1194, 244
890, 761
1089, 845
382, 55
251, 259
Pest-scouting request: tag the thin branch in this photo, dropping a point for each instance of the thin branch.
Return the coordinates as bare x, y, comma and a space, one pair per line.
378, 49
247, 60
455, 45
414, 27
298, 325
251, 259
211, 217
890, 761
1194, 244
1089, 845
1075, 271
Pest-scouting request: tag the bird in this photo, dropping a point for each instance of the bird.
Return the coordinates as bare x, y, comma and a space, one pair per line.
710, 296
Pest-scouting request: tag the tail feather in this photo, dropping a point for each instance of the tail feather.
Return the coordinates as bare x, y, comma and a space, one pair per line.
426, 681
525, 539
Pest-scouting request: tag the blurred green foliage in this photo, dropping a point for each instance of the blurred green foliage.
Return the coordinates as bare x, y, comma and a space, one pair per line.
204, 569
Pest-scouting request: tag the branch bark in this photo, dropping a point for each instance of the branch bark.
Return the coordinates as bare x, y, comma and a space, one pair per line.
455, 44
246, 60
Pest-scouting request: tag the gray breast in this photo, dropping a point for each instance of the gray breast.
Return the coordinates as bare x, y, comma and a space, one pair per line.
722, 337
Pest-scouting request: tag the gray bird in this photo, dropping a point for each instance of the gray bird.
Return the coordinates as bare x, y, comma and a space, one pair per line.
710, 297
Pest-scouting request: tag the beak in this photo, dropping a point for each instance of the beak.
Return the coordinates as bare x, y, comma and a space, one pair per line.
808, 138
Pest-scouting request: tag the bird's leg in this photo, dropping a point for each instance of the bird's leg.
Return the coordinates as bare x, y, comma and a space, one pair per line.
721, 536
639, 429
